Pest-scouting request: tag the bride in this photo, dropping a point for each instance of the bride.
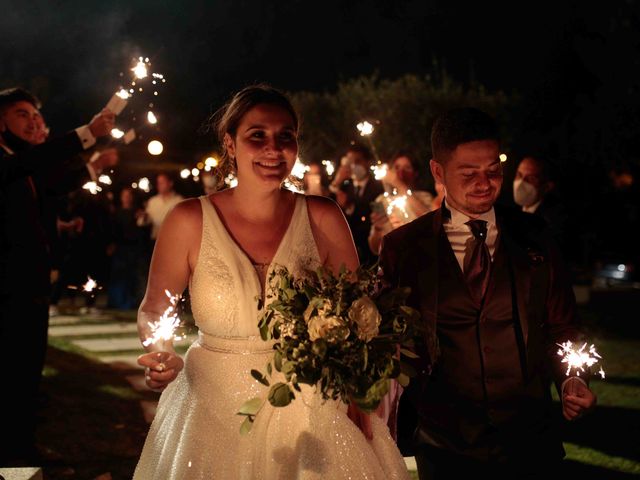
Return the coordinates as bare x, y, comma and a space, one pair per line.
223, 247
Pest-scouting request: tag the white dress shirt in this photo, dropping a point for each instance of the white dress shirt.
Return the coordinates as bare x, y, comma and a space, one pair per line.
459, 234
158, 207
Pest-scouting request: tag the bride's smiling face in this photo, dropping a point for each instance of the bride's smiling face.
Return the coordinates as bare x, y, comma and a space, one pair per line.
265, 145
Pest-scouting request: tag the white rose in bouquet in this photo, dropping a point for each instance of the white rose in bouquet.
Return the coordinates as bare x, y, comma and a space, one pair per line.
365, 315
321, 326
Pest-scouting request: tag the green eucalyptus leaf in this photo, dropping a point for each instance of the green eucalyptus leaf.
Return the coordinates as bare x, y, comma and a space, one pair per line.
260, 377
277, 360
245, 427
408, 353
251, 407
280, 395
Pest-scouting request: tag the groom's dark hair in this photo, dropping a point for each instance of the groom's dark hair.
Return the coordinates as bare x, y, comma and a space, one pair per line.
458, 126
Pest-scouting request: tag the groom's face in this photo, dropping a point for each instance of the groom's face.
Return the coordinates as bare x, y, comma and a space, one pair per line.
471, 175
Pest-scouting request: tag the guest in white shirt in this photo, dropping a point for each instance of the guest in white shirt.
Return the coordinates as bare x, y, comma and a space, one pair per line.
161, 204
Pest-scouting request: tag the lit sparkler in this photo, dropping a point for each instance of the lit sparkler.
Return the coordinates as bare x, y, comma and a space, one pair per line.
164, 329
365, 128
144, 184
117, 133
397, 202
90, 287
106, 179
299, 169
185, 172
577, 359
93, 187
151, 118
329, 167
140, 70
380, 170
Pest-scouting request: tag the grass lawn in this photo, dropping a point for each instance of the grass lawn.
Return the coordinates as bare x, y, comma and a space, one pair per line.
92, 421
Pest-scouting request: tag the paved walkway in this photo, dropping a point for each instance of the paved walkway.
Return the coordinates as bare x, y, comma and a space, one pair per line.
113, 342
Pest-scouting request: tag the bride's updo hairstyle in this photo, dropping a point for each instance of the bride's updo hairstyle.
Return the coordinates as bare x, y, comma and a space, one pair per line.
227, 119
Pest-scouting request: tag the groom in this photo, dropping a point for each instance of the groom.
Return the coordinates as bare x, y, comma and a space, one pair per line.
494, 301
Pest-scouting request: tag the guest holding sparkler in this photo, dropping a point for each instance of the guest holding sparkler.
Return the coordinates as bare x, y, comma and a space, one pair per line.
496, 303
225, 246
401, 203
25, 257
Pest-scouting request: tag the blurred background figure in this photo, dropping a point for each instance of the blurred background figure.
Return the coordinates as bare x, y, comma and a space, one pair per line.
534, 190
160, 204
402, 188
315, 181
355, 189
128, 253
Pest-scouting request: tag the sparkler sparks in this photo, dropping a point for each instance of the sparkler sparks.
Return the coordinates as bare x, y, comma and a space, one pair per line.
117, 133
397, 202
152, 119
140, 70
380, 170
329, 167
164, 329
365, 128
577, 359
299, 169
106, 179
90, 286
93, 187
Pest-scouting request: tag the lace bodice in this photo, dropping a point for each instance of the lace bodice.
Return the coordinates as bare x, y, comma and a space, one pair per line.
224, 286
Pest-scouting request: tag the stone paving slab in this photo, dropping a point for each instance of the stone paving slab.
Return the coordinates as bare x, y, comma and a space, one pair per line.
64, 320
26, 473
95, 329
119, 344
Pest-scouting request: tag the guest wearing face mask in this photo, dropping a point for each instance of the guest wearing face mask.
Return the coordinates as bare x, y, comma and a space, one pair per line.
535, 191
355, 189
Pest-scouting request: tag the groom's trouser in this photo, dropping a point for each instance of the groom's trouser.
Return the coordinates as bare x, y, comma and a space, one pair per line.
23, 346
438, 464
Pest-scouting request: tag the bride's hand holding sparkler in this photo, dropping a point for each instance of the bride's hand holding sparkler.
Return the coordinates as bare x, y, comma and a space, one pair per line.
161, 368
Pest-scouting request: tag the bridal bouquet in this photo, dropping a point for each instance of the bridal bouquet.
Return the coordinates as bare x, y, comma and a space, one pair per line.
341, 333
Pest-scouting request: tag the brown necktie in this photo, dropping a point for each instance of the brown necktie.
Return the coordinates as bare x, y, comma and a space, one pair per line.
477, 260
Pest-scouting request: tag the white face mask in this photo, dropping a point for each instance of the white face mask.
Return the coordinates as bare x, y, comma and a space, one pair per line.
358, 172
524, 194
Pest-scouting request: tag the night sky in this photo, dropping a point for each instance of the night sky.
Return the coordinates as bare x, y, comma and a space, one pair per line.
560, 56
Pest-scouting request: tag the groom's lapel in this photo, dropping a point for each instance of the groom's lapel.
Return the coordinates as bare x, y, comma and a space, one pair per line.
427, 279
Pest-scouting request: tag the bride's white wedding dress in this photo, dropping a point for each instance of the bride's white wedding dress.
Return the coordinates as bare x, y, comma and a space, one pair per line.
195, 434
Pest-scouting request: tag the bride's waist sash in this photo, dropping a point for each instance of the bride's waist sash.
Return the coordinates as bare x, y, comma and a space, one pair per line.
237, 345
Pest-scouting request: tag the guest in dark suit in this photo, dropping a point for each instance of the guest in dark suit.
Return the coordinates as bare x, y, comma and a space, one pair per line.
535, 191
24, 256
494, 300
355, 188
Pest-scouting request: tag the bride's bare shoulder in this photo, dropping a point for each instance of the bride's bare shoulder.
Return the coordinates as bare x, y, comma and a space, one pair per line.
186, 217
323, 210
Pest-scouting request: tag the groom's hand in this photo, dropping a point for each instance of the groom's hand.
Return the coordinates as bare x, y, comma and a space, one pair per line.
161, 368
